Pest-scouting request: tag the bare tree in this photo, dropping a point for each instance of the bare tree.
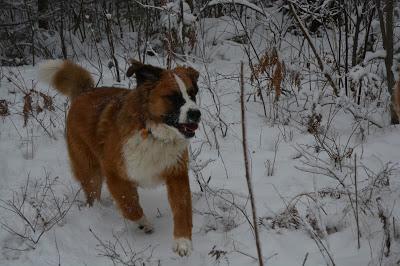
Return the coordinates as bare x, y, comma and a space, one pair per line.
387, 40
42, 10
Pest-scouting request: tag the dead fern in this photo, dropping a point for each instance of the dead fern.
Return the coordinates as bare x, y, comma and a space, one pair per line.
274, 69
295, 79
277, 78
288, 219
331, 193
192, 35
313, 222
47, 101
216, 253
27, 109
4, 111
36, 101
261, 67
314, 123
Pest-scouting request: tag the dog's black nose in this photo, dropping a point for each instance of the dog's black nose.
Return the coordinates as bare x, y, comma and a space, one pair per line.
193, 115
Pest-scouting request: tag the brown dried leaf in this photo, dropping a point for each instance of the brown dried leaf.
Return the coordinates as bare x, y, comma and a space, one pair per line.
4, 108
48, 101
27, 110
277, 78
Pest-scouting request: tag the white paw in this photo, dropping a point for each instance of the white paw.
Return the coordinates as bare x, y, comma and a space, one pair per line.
182, 246
145, 225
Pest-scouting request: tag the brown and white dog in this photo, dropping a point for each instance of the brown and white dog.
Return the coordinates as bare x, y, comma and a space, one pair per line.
132, 138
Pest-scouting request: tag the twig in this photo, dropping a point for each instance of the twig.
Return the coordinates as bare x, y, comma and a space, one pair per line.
319, 60
44, 219
322, 248
121, 253
246, 166
356, 191
58, 250
305, 259
245, 254
386, 227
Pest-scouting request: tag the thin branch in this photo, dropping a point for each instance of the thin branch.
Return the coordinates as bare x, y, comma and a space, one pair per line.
356, 192
246, 166
319, 60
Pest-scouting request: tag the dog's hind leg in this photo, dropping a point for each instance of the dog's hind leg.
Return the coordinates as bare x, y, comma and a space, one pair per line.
126, 196
86, 170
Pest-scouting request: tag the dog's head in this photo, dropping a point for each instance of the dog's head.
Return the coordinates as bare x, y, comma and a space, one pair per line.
171, 95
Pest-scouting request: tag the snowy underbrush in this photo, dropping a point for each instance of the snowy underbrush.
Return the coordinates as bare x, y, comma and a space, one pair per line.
32, 211
324, 171
353, 189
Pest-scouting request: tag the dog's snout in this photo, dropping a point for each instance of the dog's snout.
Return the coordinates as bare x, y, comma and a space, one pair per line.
193, 115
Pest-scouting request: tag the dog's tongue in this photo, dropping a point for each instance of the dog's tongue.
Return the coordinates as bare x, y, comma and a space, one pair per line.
191, 127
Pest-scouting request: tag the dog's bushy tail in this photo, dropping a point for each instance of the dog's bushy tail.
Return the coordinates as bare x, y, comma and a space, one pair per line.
66, 77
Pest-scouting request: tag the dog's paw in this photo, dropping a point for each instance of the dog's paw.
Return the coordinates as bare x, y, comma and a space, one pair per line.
145, 225
182, 246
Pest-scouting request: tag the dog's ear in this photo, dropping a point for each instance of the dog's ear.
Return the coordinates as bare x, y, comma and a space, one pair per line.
143, 72
192, 73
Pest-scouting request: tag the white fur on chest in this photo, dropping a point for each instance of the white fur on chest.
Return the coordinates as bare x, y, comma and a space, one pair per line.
147, 157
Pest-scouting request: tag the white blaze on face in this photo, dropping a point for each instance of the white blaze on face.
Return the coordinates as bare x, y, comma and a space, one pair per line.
189, 104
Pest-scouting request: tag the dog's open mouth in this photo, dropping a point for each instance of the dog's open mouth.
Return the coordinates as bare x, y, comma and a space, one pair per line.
188, 130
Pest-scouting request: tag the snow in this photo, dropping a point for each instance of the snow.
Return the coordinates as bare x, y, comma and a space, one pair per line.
373, 55
172, 12
301, 178
220, 29
238, 2
222, 227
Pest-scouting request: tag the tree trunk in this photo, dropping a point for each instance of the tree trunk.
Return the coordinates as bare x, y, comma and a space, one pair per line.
389, 58
389, 44
190, 3
42, 10
387, 39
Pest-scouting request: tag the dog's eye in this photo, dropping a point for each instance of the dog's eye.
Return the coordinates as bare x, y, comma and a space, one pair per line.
192, 92
175, 99
192, 95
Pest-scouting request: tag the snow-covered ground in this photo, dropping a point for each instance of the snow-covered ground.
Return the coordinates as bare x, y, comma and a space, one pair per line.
305, 196
221, 232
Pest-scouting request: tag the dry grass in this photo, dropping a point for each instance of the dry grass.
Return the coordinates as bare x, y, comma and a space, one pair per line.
35, 209
289, 218
4, 111
273, 68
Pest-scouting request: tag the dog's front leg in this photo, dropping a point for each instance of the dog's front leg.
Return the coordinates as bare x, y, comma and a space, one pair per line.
180, 200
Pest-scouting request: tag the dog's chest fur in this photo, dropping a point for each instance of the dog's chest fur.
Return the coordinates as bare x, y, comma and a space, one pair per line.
146, 157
